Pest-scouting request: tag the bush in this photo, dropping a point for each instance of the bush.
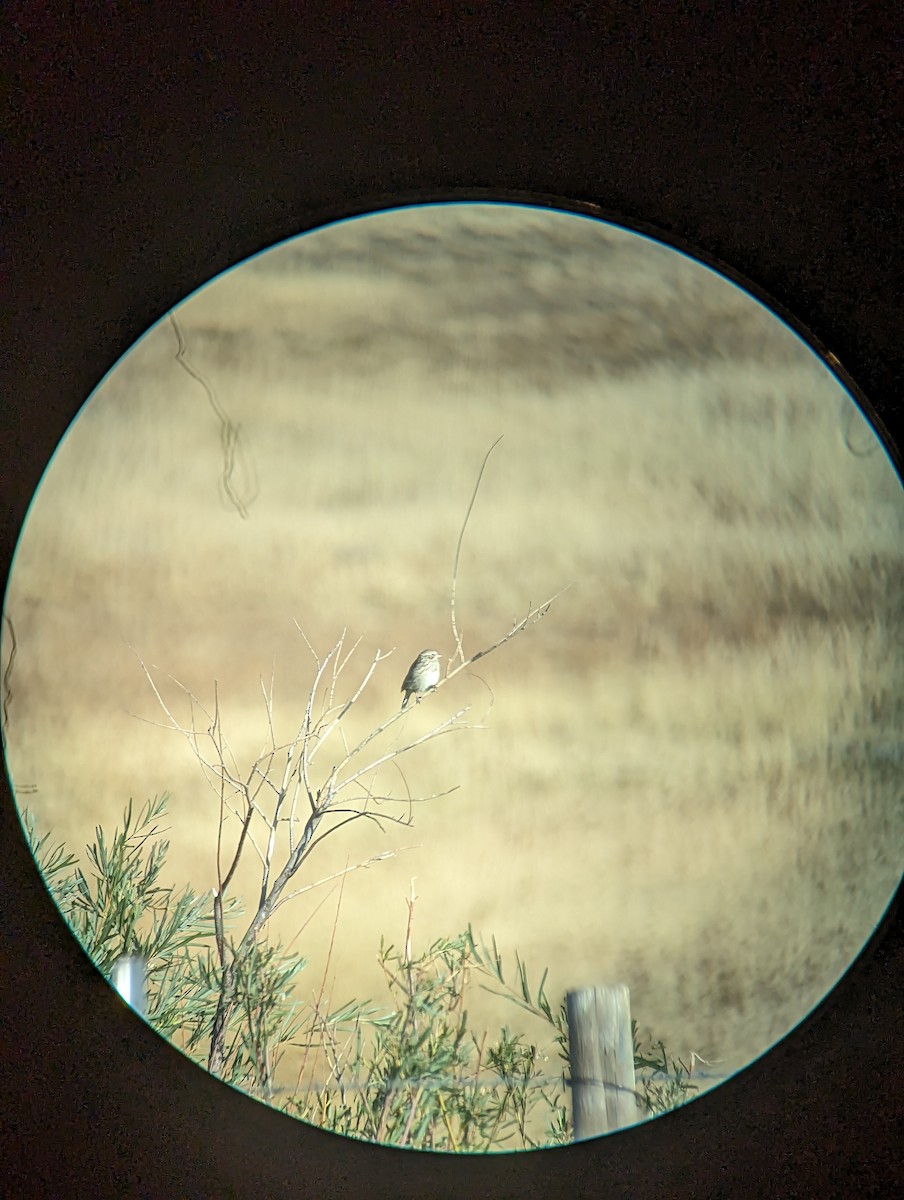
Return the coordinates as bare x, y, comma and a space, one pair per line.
412, 1073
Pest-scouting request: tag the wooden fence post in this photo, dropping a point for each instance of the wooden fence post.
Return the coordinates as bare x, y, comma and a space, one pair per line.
601, 1050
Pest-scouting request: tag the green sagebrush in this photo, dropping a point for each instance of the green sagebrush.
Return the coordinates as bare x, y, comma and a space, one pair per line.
411, 1074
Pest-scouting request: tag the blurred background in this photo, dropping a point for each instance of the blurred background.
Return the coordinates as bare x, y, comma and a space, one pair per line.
685, 778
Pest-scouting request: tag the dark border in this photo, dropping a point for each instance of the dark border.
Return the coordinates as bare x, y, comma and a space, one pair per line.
151, 150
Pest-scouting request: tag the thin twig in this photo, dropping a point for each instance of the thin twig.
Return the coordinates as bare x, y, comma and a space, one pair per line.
459, 652
329, 955
361, 866
535, 614
324, 731
446, 726
305, 732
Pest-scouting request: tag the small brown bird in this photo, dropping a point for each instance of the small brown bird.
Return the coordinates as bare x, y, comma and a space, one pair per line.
423, 676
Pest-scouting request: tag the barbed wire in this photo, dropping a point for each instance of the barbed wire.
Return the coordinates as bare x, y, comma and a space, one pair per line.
438, 1083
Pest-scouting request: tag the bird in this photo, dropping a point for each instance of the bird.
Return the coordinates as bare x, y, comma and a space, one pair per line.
423, 676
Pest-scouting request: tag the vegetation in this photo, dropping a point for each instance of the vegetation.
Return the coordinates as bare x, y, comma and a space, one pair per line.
409, 1073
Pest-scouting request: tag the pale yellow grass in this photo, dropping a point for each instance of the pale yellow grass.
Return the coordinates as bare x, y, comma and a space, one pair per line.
687, 775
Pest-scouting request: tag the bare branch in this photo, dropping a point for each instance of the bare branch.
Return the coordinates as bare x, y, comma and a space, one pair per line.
305, 732
361, 866
307, 643
325, 731
335, 784
349, 792
268, 705
459, 652
534, 615
189, 732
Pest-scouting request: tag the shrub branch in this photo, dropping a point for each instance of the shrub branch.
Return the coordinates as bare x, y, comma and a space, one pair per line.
287, 803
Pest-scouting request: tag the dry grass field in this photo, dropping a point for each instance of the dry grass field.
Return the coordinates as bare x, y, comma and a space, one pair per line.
686, 777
